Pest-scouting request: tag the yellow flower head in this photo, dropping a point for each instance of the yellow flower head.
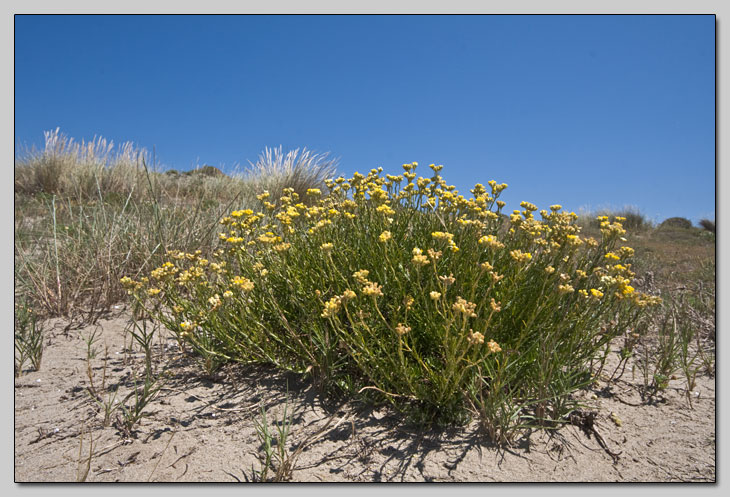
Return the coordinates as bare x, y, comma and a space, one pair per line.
433, 254
418, 258
385, 209
372, 289
626, 252
520, 256
475, 338
465, 307
435, 295
385, 236
402, 329
243, 283
361, 276
331, 307
215, 301
494, 347
491, 241
440, 235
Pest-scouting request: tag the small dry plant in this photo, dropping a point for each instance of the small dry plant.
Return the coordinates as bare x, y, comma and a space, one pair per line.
28, 338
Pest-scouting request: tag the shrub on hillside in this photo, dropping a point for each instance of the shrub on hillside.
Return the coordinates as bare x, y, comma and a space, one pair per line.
676, 222
707, 225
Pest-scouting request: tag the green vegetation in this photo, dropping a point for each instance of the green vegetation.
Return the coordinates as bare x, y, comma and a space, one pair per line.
390, 289
708, 225
85, 217
28, 338
398, 289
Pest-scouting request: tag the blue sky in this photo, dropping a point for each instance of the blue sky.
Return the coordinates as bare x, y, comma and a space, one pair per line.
585, 111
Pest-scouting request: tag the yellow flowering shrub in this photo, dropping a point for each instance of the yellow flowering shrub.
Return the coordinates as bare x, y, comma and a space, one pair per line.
470, 307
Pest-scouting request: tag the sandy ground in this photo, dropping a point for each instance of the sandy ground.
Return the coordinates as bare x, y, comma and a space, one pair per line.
203, 429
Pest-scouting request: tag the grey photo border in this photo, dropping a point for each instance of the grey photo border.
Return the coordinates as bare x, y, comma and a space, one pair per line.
14, 7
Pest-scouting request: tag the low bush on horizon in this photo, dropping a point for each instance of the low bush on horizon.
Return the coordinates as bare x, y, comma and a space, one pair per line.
707, 225
676, 222
398, 289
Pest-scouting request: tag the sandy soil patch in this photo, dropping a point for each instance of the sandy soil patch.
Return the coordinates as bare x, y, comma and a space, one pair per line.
202, 429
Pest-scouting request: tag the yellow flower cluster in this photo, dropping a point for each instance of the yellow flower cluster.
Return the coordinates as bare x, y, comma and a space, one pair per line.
243, 283
494, 347
332, 307
475, 338
520, 256
491, 241
447, 237
464, 307
215, 302
402, 329
418, 258
372, 289
361, 276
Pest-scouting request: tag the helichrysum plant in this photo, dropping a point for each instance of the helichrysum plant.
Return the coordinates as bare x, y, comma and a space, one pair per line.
398, 288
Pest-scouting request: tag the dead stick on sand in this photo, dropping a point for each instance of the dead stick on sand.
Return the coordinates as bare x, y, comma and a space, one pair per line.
161, 455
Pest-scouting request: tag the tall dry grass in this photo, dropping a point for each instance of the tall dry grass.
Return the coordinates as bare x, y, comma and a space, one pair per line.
87, 214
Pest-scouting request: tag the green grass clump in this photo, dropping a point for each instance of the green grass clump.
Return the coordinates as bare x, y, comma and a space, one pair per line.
398, 289
28, 338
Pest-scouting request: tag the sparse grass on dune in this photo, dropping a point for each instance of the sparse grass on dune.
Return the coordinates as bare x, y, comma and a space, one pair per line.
85, 216
676, 261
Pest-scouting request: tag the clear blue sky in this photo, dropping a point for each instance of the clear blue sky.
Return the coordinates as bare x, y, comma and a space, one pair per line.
585, 111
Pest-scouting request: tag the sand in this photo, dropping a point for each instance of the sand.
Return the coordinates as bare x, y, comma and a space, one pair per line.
201, 429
